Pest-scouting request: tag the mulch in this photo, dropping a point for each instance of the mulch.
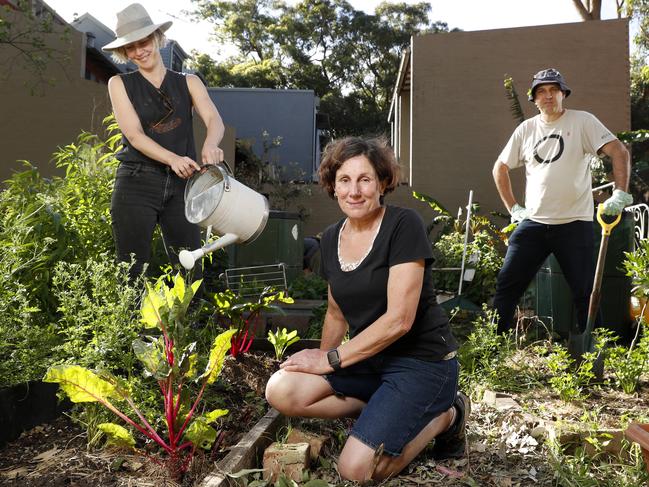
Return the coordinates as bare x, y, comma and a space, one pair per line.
55, 454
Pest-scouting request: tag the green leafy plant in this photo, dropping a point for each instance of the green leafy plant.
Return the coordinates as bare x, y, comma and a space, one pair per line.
485, 246
243, 315
281, 340
172, 362
448, 253
568, 385
310, 286
512, 96
316, 322
571, 379
636, 265
45, 222
443, 218
628, 364
484, 353
97, 306
581, 469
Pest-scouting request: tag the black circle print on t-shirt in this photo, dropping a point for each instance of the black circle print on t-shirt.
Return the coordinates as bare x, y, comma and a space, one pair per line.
552, 153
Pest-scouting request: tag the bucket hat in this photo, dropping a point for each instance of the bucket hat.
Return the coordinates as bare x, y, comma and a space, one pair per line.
549, 75
133, 24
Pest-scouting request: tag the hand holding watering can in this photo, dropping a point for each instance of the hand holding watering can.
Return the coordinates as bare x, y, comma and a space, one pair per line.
233, 210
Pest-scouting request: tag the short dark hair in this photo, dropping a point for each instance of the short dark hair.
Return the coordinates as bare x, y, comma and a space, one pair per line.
377, 151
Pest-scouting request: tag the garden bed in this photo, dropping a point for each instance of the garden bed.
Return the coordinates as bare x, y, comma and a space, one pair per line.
54, 453
504, 443
507, 439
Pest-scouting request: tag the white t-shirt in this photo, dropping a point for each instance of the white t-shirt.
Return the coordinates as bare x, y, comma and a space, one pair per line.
557, 157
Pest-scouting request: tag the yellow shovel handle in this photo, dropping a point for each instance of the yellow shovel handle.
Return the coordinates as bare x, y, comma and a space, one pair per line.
606, 227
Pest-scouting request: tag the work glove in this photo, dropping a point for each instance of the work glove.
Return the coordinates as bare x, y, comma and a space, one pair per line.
519, 213
616, 203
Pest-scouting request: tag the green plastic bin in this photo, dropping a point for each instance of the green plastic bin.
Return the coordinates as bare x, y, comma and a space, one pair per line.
553, 297
282, 241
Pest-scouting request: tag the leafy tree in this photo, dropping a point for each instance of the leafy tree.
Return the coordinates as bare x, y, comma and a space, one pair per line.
638, 12
349, 58
29, 38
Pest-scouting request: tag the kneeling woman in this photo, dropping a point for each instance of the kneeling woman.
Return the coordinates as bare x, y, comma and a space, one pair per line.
398, 372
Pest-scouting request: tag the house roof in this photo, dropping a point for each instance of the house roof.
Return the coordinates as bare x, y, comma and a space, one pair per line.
39, 8
98, 35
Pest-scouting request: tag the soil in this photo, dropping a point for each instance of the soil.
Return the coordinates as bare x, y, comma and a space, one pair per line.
502, 449
55, 454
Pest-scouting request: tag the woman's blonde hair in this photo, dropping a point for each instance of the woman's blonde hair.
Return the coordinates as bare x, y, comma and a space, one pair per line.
159, 41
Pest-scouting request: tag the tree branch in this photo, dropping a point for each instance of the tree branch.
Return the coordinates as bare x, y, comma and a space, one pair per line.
583, 11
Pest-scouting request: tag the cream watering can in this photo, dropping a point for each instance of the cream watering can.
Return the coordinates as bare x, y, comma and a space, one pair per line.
213, 198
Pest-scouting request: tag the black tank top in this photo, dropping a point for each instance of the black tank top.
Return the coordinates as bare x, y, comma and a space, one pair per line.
165, 115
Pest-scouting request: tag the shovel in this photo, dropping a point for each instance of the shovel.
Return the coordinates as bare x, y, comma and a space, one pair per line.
595, 295
582, 342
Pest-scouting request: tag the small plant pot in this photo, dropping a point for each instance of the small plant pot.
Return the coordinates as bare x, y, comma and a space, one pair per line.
639, 433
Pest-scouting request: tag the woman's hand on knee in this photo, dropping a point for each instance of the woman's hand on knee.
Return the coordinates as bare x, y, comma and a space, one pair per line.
310, 361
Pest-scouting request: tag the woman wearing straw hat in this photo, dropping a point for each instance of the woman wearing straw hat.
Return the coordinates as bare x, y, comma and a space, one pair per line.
153, 107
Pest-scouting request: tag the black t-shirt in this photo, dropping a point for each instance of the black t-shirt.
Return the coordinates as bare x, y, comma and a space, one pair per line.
362, 294
165, 115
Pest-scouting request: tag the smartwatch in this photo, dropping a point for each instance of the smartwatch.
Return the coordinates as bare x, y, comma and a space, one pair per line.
333, 357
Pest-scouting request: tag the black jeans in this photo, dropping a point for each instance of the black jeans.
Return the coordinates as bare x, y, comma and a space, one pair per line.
529, 246
146, 195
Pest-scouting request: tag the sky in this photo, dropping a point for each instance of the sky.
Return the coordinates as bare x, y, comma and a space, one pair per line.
467, 15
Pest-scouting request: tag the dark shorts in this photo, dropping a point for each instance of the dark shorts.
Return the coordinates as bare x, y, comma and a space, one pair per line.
403, 395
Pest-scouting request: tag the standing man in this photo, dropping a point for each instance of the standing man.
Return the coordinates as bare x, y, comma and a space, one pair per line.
558, 214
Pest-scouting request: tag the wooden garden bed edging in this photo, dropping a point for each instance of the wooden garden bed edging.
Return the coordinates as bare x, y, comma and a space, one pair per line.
247, 453
25, 405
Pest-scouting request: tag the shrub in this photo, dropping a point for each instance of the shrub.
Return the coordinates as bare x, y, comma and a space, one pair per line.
484, 354
448, 253
98, 311
310, 286
45, 222
628, 364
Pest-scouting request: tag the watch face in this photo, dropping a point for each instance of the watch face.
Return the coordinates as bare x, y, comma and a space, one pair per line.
333, 357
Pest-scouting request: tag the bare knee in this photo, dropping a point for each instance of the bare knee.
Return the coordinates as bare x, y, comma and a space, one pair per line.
354, 469
360, 471
281, 393
276, 390
360, 463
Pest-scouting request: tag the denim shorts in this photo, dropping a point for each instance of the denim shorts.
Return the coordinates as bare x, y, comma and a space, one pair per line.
403, 395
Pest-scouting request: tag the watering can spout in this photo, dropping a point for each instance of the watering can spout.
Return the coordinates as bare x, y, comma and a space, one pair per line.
188, 258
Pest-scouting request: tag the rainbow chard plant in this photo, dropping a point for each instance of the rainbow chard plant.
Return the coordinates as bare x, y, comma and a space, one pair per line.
169, 360
243, 315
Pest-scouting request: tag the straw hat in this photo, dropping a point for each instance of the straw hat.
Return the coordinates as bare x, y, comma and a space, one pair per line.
133, 24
